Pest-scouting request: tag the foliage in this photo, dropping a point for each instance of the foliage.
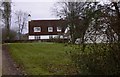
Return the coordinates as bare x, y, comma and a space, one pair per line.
12, 35
81, 15
97, 59
102, 55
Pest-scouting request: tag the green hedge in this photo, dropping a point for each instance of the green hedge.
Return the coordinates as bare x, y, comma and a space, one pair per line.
97, 59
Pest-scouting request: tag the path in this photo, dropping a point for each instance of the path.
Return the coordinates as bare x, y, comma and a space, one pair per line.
0, 60
9, 67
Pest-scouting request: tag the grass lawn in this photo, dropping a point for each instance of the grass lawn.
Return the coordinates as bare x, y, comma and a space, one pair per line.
42, 58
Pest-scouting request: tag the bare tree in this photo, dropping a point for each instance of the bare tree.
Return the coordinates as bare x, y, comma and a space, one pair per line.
22, 18
72, 12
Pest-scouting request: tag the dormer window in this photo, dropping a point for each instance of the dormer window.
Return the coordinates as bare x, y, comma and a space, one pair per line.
59, 29
50, 29
37, 29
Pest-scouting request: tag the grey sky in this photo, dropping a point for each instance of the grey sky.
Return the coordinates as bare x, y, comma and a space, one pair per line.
33, 0
38, 10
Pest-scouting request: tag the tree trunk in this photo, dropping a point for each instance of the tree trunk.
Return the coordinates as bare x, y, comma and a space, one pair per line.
7, 18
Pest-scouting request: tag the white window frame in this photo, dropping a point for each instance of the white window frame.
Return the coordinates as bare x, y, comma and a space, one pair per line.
59, 29
50, 29
37, 29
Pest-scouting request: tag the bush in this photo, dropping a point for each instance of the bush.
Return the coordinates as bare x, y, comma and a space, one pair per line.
97, 59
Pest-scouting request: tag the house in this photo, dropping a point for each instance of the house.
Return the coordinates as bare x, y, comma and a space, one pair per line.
46, 29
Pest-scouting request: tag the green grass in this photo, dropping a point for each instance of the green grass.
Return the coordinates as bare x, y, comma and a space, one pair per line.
42, 58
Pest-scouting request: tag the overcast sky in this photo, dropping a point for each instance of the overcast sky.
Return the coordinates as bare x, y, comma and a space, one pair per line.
37, 10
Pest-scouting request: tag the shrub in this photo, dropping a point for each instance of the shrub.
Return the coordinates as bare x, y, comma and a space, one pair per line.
97, 59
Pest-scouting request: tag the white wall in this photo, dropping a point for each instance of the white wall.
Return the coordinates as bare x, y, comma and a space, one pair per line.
31, 38
43, 37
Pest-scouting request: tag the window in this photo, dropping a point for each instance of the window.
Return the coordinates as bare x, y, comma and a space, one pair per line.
59, 29
50, 29
37, 29
37, 37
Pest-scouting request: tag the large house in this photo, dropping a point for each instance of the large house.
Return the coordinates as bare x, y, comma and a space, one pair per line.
46, 29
